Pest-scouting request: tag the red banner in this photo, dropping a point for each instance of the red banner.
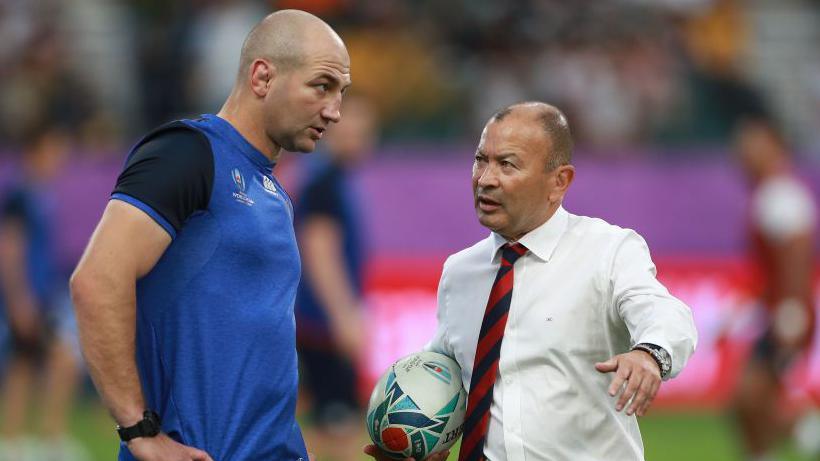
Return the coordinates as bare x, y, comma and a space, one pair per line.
401, 297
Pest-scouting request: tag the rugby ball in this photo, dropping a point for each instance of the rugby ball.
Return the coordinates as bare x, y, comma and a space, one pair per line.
417, 407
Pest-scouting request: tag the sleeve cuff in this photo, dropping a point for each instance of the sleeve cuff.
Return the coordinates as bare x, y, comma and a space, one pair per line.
147, 210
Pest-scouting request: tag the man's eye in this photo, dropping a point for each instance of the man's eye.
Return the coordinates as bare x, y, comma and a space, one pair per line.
323, 87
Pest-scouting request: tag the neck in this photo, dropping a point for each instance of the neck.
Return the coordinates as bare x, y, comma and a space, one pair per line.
776, 167
517, 236
247, 124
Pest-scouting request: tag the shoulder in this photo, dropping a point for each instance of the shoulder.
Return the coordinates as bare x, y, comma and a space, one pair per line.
177, 140
594, 230
481, 251
783, 206
602, 244
15, 202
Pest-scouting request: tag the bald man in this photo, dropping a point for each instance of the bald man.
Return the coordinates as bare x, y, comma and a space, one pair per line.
561, 329
185, 293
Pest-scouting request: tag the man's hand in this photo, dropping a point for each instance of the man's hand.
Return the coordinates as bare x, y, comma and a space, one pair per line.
349, 334
374, 451
164, 448
642, 376
26, 323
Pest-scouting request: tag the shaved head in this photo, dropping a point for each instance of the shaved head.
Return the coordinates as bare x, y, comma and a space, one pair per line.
284, 39
554, 123
294, 70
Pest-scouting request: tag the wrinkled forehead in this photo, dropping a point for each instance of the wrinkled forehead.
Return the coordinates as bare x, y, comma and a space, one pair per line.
514, 131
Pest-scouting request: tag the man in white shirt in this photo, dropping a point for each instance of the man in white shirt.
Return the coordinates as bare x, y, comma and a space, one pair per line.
576, 327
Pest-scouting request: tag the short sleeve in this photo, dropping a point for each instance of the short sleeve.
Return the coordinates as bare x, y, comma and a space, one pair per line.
783, 208
321, 196
13, 206
169, 176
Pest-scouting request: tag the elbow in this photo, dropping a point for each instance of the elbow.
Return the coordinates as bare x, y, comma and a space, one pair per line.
82, 286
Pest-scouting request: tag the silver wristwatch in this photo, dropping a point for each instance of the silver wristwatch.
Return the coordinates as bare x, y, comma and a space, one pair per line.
660, 355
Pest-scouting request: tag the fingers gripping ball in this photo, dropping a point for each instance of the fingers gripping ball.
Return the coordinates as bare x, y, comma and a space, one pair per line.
417, 407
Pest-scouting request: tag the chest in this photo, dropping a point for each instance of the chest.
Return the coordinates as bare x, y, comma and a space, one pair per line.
556, 309
254, 215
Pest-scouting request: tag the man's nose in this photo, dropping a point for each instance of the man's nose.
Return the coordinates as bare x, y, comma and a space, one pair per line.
487, 177
332, 111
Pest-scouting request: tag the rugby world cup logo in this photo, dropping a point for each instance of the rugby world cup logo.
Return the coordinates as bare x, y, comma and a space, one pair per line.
238, 179
240, 195
439, 371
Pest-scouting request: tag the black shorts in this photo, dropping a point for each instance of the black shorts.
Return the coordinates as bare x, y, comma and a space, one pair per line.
331, 380
777, 359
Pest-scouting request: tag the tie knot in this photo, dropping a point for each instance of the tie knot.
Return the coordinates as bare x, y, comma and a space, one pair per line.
511, 252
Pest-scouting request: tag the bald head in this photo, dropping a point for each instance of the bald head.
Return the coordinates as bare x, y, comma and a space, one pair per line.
285, 38
552, 121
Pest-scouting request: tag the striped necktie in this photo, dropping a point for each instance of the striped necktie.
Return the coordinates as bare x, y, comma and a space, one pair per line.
488, 351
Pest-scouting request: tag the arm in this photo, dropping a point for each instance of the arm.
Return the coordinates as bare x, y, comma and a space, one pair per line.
440, 342
651, 315
792, 320
125, 246
785, 214
323, 258
14, 284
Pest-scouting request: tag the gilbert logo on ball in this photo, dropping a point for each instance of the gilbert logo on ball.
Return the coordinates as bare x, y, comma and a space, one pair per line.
417, 407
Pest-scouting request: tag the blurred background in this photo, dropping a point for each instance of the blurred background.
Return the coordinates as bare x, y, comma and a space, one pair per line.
653, 90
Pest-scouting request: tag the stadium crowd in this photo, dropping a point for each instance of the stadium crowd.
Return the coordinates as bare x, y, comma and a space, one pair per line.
628, 73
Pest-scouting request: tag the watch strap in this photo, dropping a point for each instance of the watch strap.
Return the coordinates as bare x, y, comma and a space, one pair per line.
149, 426
659, 354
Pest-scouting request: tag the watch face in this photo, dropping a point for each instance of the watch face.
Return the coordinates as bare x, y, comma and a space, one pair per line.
666, 361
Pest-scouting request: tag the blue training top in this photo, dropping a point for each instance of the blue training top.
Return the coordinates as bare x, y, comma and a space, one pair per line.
328, 192
32, 205
215, 323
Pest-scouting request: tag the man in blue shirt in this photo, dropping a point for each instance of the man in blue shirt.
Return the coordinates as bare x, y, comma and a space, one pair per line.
185, 294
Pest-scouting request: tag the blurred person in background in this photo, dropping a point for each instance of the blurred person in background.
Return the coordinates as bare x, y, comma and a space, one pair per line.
782, 227
36, 307
185, 293
330, 328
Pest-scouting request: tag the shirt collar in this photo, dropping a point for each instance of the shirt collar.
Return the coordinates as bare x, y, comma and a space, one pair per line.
243, 145
540, 241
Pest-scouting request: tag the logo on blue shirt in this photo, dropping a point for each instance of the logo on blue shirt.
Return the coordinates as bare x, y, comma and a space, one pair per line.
239, 180
267, 183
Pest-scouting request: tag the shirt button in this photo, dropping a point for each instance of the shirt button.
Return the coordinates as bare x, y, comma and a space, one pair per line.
508, 380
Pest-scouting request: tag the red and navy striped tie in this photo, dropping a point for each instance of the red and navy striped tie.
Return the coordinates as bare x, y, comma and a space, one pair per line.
488, 351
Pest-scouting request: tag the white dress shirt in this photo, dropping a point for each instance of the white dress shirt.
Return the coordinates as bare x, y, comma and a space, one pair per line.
584, 292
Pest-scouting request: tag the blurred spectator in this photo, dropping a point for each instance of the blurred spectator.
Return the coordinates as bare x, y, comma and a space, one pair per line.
40, 86
628, 72
162, 62
36, 308
217, 31
330, 328
782, 229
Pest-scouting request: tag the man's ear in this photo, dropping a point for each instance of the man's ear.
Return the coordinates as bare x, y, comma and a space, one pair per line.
564, 175
262, 74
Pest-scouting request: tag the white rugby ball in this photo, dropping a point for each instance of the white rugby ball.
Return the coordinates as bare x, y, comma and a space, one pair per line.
417, 407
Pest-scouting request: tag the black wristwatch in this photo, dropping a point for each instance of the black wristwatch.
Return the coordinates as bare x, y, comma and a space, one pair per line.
148, 427
660, 355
